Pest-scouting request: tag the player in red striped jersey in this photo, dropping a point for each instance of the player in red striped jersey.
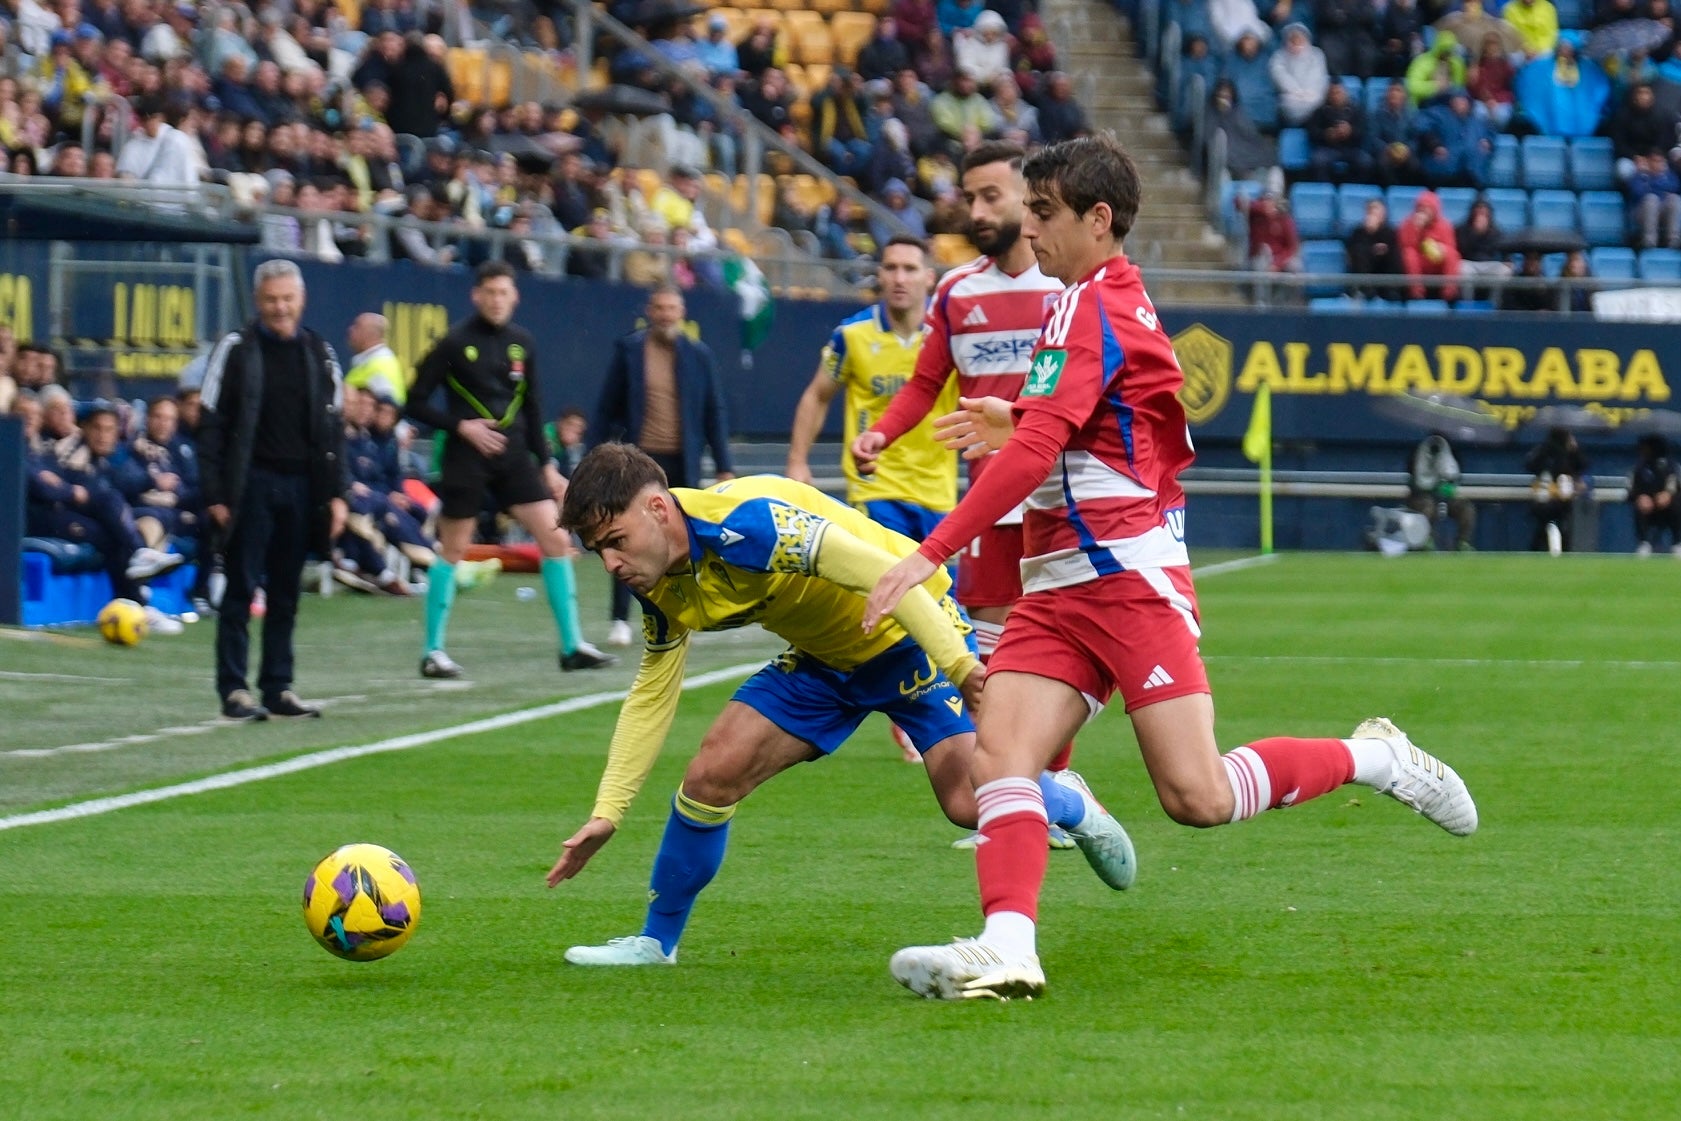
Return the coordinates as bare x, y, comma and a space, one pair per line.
982, 326
1098, 442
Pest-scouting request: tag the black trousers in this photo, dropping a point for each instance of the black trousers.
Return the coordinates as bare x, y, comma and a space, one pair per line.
676, 475
105, 522
266, 549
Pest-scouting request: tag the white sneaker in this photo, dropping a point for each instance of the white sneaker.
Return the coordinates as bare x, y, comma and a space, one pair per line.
1644, 549
638, 949
144, 563
1555, 539
619, 633
966, 969
1422, 781
159, 623
1099, 837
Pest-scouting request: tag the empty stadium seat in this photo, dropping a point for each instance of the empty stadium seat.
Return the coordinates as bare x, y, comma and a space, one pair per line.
1474, 307
1314, 207
1374, 95
851, 30
1511, 207
1660, 264
1231, 218
1574, 13
1503, 167
1592, 166
1292, 148
1427, 307
1613, 262
1323, 257
809, 38
1340, 305
1400, 201
1552, 210
1351, 205
1355, 87
1601, 216
1544, 163
1456, 203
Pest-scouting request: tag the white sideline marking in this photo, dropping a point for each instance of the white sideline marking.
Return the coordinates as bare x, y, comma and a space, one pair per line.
315, 759
66, 678
1235, 565
208, 725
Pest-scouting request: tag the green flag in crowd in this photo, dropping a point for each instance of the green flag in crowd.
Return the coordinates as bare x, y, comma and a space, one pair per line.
743, 278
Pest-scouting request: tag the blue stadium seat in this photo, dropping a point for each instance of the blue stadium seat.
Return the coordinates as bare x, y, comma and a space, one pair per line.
1552, 210
1660, 264
1602, 218
1427, 307
1321, 257
1613, 262
1553, 264
1314, 206
1503, 168
1592, 166
1340, 305
1543, 163
1456, 203
1292, 148
1474, 307
1351, 205
1511, 207
1401, 201
1573, 13
1374, 94
1355, 87
1229, 194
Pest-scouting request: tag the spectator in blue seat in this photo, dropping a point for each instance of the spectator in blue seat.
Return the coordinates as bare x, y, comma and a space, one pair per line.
1247, 70
1473, 23
1192, 16
1299, 72
1436, 72
1348, 34
1654, 196
1389, 138
1196, 61
1563, 95
68, 498
955, 15
1576, 268
1060, 116
716, 52
1536, 22
1373, 249
1455, 145
159, 477
1231, 20
896, 195
1400, 37
1337, 134
1481, 246
1639, 128
1652, 489
1489, 82
1249, 154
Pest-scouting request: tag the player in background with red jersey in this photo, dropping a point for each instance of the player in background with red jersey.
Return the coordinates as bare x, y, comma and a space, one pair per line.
1108, 606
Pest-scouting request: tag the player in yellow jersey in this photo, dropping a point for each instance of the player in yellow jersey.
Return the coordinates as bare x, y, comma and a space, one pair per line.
778, 553
870, 357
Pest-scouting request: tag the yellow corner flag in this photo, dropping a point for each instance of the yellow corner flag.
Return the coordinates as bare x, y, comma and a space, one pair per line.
1257, 447
1257, 441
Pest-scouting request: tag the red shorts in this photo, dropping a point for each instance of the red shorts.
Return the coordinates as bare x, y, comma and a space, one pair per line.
1134, 633
989, 570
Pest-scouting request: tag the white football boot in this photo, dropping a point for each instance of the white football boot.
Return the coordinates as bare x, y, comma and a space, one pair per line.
967, 969
1421, 780
637, 949
1100, 838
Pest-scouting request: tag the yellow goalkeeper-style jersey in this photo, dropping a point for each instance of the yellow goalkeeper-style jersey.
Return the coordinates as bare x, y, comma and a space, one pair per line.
786, 556
871, 363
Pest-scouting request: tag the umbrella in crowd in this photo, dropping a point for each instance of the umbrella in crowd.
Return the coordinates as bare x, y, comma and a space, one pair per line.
1543, 241
620, 99
1460, 419
1626, 35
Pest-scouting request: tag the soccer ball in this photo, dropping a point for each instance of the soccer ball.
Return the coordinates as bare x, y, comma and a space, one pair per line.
361, 902
122, 622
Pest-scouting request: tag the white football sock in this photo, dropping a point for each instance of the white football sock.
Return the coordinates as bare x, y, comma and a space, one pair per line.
1012, 932
1374, 763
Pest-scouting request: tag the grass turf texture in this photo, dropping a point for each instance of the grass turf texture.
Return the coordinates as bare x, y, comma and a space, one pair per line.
1344, 959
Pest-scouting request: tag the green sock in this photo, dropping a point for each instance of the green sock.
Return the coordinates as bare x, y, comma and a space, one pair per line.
440, 593
562, 588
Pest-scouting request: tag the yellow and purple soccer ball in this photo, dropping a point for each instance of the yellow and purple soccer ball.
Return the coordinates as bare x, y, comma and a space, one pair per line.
362, 902
122, 622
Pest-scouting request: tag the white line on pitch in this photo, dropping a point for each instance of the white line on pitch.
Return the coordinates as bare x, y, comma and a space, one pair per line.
339, 754
67, 678
1234, 565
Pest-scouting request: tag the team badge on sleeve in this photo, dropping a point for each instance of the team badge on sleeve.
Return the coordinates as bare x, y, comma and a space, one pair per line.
1045, 373
797, 532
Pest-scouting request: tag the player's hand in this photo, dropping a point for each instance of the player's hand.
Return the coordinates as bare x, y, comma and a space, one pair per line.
893, 585
483, 435
555, 481
971, 689
337, 511
799, 471
867, 447
579, 847
980, 425
218, 514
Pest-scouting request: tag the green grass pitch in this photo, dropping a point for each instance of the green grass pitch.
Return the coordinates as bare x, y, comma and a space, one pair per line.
1339, 960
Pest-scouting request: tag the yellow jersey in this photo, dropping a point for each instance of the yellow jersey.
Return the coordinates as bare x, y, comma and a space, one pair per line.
872, 363
767, 550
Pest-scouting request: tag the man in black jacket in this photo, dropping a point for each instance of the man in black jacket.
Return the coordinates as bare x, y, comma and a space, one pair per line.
487, 368
273, 479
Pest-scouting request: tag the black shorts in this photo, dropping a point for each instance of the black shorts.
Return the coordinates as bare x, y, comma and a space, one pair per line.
512, 478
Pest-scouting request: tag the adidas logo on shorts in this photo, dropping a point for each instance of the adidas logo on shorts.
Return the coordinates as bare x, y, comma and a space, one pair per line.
1158, 677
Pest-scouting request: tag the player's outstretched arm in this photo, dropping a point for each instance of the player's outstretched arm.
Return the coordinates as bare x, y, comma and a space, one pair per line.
979, 426
577, 849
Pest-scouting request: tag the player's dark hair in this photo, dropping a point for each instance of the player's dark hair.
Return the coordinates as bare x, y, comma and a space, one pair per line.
605, 483
906, 239
1084, 172
160, 399
573, 411
994, 151
490, 270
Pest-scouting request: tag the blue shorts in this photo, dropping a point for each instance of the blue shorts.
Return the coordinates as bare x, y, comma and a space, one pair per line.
915, 522
823, 705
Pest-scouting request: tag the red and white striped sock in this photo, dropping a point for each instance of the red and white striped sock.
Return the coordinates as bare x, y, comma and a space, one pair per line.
1010, 861
1282, 771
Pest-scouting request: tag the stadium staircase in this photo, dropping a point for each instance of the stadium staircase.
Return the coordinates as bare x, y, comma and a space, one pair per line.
1096, 46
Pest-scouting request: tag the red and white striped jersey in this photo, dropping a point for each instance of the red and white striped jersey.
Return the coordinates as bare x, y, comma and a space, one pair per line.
1112, 499
985, 323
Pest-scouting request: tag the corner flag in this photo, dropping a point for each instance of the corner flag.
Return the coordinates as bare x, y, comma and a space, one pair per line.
1257, 448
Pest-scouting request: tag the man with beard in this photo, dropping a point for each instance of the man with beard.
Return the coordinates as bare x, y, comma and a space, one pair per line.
982, 326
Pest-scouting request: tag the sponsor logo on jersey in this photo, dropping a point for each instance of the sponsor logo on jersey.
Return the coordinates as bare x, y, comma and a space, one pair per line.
1046, 372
